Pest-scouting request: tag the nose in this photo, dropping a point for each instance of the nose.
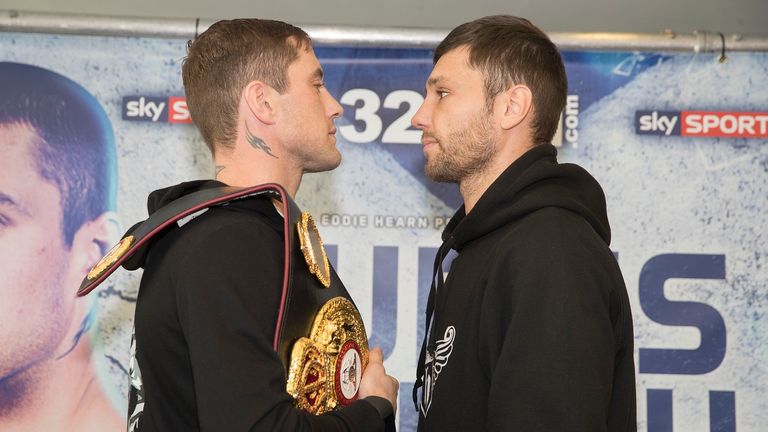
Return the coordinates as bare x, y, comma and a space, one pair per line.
420, 120
334, 108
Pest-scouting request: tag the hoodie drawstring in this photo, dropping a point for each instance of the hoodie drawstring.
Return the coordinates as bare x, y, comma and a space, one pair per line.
437, 275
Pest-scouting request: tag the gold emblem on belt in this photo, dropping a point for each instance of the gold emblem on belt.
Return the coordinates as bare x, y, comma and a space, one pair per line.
110, 258
313, 250
326, 368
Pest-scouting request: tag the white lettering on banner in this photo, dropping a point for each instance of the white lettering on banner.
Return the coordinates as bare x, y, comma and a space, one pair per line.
572, 120
365, 113
366, 104
656, 122
179, 111
385, 221
720, 124
142, 108
569, 119
398, 132
382, 221
441, 221
343, 220
557, 138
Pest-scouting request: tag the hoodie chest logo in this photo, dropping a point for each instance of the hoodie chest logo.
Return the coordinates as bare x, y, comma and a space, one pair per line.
436, 360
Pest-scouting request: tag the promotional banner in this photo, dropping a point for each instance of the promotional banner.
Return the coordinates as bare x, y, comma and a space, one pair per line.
679, 143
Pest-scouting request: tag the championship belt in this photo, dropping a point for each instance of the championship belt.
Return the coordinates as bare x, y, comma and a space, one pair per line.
323, 339
319, 337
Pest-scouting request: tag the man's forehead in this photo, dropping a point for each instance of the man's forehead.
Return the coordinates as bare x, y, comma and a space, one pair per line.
24, 142
19, 175
451, 65
19, 134
308, 61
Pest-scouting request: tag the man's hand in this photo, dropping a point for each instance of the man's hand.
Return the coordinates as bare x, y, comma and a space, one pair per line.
375, 380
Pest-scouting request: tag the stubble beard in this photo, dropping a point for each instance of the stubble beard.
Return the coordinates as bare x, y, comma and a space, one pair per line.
464, 153
327, 160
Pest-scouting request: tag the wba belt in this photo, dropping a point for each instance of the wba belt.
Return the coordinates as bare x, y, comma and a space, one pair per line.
319, 335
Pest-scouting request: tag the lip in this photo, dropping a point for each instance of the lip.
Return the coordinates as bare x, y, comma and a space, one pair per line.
332, 132
427, 142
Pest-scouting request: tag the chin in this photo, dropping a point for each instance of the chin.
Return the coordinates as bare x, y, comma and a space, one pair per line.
332, 166
440, 174
328, 164
336, 160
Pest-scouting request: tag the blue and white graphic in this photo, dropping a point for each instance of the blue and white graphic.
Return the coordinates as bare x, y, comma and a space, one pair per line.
687, 213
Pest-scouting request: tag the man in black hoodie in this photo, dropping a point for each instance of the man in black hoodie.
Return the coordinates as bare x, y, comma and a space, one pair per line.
532, 329
203, 357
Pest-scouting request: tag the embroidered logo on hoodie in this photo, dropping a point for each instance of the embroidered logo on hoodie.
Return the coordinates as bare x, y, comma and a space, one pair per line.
435, 361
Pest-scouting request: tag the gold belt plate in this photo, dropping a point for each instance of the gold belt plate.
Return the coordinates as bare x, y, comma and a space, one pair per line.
325, 369
313, 250
110, 257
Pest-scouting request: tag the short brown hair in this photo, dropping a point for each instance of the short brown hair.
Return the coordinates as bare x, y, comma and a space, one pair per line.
510, 50
224, 59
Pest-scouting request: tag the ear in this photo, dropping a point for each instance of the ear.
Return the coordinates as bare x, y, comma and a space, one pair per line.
260, 100
91, 242
514, 105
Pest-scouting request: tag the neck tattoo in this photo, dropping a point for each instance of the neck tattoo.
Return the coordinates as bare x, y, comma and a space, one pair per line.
258, 143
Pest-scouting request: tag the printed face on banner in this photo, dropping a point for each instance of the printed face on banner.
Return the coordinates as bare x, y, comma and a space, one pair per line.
455, 120
47, 246
36, 309
307, 115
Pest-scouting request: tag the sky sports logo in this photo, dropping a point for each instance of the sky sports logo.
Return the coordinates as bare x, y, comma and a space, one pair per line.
702, 124
156, 109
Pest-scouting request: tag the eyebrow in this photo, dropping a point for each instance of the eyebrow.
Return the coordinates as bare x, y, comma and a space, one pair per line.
7, 200
434, 80
317, 74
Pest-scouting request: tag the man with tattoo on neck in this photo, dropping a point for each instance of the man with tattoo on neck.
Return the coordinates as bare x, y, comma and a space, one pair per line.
210, 295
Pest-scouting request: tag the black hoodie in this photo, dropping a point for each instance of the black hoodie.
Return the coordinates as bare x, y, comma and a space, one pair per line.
532, 329
205, 319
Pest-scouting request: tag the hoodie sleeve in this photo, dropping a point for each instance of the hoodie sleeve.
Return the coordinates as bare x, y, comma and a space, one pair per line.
547, 341
227, 297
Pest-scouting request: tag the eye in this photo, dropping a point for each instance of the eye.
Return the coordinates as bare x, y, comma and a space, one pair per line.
442, 93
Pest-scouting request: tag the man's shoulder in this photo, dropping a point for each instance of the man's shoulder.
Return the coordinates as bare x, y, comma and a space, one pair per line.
215, 246
252, 216
548, 237
223, 230
549, 227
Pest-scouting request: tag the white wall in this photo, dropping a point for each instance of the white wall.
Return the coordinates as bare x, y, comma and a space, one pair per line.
644, 16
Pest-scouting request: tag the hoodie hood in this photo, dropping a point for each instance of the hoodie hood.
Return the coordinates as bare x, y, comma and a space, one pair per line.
534, 181
161, 197
155, 201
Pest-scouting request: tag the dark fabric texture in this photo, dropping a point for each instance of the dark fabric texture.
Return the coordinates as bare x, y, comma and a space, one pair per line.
532, 328
205, 321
